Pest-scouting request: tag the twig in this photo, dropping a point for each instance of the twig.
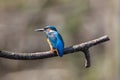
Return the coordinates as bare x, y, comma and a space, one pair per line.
84, 47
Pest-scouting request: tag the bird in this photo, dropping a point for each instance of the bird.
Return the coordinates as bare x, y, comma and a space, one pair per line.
54, 39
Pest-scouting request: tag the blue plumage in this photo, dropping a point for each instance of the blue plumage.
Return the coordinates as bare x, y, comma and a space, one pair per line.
54, 38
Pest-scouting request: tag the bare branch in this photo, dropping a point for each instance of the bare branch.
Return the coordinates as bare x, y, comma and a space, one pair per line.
84, 47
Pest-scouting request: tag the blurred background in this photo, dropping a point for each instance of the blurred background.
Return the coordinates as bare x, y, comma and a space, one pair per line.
77, 21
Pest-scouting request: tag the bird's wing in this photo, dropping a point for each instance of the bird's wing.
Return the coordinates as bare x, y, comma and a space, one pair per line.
60, 45
60, 37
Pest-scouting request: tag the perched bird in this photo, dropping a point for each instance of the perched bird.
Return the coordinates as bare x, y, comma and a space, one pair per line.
54, 39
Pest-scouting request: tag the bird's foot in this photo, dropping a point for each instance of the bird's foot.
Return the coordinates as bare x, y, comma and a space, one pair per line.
54, 51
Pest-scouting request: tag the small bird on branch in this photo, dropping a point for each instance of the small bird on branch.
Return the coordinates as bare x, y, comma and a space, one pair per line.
54, 39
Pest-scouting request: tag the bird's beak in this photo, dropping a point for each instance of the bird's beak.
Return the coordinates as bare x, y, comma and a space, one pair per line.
37, 30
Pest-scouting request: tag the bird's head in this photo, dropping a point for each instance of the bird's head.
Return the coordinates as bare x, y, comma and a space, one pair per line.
47, 29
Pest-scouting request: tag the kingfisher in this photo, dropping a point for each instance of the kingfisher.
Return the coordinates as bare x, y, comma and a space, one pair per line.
54, 39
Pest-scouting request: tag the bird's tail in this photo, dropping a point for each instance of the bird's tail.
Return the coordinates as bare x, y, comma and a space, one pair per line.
60, 52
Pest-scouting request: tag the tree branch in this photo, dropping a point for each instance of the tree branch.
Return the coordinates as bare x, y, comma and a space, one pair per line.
84, 47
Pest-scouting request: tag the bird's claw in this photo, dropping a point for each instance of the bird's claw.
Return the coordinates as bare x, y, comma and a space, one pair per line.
54, 51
